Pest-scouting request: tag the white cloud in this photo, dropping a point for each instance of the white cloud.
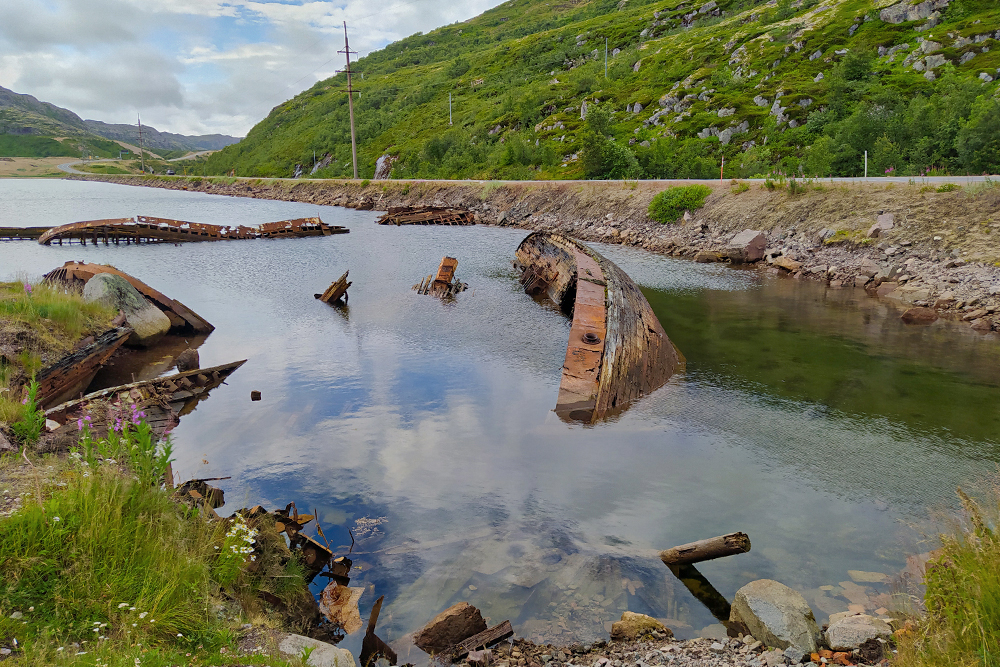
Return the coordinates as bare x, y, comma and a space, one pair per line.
194, 66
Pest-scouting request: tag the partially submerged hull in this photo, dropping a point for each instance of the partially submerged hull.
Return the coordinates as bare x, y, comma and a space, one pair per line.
147, 229
182, 318
617, 349
72, 374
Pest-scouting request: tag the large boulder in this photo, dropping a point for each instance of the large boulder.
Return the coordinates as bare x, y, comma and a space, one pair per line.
847, 634
747, 246
633, 626
148, 322
776, 615
456, 623
322, 655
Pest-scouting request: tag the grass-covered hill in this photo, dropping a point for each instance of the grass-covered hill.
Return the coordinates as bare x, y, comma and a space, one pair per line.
32, 128
802, 87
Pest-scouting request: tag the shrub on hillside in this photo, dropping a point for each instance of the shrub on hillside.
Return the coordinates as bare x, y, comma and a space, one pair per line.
670, 204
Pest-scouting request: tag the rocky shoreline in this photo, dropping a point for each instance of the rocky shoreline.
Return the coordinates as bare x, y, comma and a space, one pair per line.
934, 249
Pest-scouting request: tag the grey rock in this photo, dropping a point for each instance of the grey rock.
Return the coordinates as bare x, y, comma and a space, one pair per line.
747, 246
761, 101
708, 6
930, 76
322, 655
5, 444
726, 113
615, 52
927, 46
776, 615
805, 102
148, 322
819, 77
644, 144
794, 655
849, 633
636, 108
583, 110
966, 57
817, 55
919, 66
983, 76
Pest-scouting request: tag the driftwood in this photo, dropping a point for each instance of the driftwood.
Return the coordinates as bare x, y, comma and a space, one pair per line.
485, 639
372, 647
335, 291
714, 547
617, 350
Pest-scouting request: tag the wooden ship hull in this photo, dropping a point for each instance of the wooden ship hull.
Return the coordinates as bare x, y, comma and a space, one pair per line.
72, 374
182, 319
426, 215
147, 229
21, 233
163, 399
617, 349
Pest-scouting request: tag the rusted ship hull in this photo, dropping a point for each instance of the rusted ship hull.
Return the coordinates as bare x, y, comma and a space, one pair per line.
21, 233
617, 349
146, 229
72, 374
182, 318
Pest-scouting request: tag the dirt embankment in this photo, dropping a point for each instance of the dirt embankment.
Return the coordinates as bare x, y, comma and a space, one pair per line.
943, 250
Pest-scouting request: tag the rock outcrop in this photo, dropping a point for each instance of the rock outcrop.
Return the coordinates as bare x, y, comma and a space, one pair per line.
747, 246
457, 622
776, 615
847, 634
148, 322
633, 626
322, 654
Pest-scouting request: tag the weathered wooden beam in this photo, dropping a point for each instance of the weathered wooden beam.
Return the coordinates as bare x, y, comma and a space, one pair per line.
485, 639
714, 547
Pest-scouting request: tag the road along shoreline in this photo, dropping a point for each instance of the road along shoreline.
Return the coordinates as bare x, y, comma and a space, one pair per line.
931, 248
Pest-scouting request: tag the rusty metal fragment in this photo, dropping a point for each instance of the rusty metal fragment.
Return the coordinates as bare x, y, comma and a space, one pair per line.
336, 291
443, 283
426, 215
147, 229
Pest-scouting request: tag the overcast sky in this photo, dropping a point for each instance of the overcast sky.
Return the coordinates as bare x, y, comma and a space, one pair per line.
195, 66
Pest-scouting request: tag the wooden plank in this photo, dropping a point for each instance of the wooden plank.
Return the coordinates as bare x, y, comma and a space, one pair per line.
485, 639
336, 290
710, 549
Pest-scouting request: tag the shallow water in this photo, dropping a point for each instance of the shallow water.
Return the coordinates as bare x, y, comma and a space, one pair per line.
812, 419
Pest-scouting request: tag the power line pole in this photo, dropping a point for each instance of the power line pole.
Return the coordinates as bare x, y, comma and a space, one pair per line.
605, 57
142, 161
449, 108
350, 99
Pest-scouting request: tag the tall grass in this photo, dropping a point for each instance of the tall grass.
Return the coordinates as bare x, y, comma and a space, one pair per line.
60, 312
963, 596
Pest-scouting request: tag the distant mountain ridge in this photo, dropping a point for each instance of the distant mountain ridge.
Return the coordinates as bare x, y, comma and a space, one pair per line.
22, 114
153, 138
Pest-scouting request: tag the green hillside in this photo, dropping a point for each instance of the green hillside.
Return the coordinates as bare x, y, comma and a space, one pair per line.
801, 87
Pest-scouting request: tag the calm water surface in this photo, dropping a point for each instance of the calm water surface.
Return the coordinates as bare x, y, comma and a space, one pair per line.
811, 419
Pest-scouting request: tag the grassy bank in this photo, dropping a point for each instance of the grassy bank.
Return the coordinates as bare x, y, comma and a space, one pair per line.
38, 324
963, 596
102, 565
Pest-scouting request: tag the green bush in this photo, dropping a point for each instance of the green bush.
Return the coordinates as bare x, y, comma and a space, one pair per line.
670, 204
948, 187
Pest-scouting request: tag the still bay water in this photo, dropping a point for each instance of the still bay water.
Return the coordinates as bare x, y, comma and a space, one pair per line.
812, 419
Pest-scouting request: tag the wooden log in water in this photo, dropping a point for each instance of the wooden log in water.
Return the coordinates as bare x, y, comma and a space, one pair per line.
714, 547
617, 351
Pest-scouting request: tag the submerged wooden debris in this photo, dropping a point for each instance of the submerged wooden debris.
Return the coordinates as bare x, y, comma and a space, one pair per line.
73, 373
617, 350
426, 215
182, 319
336, 291
372, 647
147, 229
710, 549
443, 283
163, 399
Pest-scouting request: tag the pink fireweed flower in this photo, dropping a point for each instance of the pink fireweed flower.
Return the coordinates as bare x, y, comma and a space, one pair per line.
27, 288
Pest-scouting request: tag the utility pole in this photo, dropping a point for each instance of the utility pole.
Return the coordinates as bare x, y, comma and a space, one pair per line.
350, 99
142, 161
605, 57
449, 108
